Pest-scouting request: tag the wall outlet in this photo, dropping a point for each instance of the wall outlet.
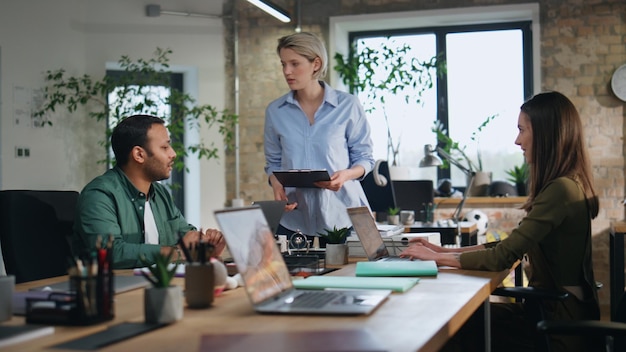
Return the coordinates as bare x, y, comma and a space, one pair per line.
22, 152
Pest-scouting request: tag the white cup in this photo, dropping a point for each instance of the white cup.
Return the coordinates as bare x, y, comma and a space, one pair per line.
237, 202
407, 217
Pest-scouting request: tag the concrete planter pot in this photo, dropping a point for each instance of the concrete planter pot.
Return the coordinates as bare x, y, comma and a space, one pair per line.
336, 254
163, 304
393, 219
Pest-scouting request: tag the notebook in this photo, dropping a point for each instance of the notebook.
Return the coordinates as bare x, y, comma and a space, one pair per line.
273, 211
371, 240
266, 278
389, 268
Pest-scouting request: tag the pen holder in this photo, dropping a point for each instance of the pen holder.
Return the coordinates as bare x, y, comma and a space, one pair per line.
86, 290
199, 284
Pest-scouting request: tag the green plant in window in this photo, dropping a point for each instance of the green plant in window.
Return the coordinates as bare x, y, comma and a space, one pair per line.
387, 70
457, 150
133, 94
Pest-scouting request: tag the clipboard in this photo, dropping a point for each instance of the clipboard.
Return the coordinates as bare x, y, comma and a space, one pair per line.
302, 178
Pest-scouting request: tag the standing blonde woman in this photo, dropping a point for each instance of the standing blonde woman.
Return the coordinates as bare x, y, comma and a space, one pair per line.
314, 126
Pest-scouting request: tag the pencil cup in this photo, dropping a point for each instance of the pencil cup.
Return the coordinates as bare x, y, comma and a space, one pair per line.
199, 285
407, 217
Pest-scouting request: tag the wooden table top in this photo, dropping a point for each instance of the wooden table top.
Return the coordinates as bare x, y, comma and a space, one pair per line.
421, 319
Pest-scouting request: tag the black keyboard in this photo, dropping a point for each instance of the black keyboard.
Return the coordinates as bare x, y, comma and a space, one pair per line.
314, 299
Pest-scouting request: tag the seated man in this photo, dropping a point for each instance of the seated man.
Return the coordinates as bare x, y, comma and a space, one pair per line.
127, 202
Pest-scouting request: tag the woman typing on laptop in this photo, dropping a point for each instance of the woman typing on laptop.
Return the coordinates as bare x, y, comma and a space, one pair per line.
555, 233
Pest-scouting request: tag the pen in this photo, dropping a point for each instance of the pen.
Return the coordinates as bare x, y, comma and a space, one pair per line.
184, 248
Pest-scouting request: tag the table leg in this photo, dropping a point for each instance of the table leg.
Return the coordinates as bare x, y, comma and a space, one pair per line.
487, 322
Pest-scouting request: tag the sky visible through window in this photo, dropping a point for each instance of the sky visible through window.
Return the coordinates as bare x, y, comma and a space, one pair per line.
485, 77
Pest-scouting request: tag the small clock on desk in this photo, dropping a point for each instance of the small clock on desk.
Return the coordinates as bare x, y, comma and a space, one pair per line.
618, 82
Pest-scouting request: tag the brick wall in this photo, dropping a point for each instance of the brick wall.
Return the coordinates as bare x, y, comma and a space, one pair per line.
582, 43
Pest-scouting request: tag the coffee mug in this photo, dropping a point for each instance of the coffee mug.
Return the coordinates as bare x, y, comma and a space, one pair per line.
199, 285
407, 217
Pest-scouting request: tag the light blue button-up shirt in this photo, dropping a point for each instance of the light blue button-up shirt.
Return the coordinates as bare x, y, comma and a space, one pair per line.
338, 139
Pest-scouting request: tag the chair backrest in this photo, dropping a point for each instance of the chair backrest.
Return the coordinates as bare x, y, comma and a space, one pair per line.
380, 198
35, 228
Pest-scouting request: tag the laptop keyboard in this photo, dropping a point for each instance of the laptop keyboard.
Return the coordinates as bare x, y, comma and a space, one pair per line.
314, 299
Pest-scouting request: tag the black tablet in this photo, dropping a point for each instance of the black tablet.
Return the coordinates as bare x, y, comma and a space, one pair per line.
303, 178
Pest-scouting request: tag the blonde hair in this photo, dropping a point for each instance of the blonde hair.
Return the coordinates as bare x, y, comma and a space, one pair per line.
309, 46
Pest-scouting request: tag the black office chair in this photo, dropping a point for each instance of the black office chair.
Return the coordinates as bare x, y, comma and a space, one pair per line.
35, 227
613, 331
379, 190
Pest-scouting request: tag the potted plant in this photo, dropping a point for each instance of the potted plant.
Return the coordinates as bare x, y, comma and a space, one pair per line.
386, 71
481, 178
519, 176
163, 302
393, 216
336, 247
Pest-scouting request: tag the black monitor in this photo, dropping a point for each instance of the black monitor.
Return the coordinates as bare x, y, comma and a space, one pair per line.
414, 195
380, 198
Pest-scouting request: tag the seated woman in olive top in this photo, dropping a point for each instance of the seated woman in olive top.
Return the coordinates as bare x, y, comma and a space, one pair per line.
555, 234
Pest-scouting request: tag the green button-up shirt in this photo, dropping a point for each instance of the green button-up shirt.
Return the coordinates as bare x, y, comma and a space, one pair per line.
111, 205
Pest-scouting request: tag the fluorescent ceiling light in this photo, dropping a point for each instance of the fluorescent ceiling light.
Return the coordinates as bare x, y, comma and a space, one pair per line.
272, 9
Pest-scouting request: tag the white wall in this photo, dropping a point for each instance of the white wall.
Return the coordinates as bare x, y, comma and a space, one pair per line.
83, 36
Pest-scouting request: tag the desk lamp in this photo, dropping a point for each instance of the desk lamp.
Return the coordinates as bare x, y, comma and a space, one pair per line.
430, 159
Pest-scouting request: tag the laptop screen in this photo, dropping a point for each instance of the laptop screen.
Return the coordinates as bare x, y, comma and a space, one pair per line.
273, 211
365, 227
254, 250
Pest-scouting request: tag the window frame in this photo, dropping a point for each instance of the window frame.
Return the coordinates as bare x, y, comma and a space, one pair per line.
345, 29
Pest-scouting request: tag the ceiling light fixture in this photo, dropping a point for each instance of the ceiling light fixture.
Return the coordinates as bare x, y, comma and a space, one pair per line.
273, 9
155, 11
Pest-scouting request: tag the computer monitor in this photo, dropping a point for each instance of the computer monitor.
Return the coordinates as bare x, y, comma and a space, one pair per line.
414, 195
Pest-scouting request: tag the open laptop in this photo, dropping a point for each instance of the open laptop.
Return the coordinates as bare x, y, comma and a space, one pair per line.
273, 211
371, 240
266, 278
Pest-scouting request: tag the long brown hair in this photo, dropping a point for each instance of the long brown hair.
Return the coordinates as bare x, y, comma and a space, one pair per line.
558, 146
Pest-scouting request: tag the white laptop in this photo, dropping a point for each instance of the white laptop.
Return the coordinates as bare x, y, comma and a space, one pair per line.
371, 240
266, 278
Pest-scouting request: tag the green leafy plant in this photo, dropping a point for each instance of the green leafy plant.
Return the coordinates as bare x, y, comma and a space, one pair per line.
113, 98
518, 174
161, 274
457, 150
336, 236
385, 71
393, 211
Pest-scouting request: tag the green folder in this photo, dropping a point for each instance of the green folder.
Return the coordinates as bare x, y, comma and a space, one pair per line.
400, 268
395, 284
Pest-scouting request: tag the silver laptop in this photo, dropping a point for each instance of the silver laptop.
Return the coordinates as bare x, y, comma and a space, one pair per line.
273, 211
266, 278
369, 236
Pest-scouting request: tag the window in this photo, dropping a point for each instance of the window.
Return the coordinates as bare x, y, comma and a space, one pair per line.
486, 75
489, 55
157, 93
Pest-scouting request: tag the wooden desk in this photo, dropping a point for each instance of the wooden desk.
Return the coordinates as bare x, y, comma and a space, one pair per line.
422, 319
